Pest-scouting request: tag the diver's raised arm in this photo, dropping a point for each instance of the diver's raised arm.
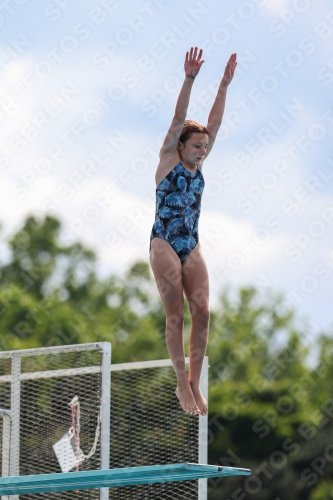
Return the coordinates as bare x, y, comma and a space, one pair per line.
192, 67
217, 111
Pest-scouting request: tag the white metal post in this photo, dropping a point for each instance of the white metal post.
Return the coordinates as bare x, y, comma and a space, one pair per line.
14, 468
7, 417
105, 421
203, 431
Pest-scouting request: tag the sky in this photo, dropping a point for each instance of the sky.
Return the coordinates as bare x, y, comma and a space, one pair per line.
88, 90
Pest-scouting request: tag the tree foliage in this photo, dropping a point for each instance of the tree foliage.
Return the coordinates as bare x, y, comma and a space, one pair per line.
269, 409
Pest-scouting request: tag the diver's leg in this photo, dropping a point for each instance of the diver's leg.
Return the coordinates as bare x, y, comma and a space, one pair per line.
167, 270
196, 289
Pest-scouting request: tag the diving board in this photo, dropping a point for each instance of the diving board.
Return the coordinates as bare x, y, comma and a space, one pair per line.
41, 483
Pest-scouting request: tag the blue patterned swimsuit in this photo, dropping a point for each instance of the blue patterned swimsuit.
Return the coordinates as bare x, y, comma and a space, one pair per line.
178, 203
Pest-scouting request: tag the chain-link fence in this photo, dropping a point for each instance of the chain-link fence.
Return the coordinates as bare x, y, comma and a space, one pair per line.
147, 425
37, 387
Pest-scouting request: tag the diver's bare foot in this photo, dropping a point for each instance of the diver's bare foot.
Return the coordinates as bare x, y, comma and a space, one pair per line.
186, 399
199, 399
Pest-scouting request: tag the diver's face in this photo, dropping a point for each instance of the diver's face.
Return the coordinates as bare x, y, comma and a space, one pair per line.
194, 149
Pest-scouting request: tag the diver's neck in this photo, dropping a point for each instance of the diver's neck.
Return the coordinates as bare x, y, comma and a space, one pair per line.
184, 161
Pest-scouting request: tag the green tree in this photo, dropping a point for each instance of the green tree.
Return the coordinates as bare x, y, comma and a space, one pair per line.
324, 491
269, 409
265, 402
51, 295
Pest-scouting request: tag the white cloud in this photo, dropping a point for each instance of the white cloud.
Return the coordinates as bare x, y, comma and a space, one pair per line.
26, 190
275, 6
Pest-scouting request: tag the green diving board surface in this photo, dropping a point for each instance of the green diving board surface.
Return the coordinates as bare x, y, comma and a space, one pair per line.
23, 485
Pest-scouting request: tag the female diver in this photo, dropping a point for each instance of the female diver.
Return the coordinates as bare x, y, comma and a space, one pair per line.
176, 256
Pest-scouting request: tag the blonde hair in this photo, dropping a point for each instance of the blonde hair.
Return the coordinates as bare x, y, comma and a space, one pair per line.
190, 127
